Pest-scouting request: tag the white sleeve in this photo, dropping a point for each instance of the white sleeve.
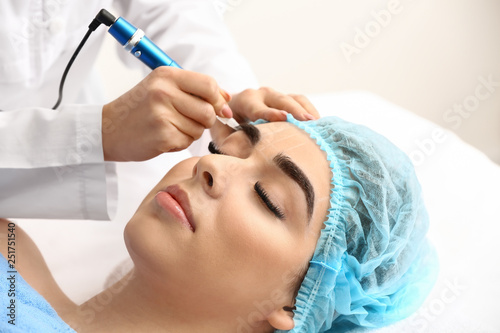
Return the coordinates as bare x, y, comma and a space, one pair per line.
52, 166
193, 33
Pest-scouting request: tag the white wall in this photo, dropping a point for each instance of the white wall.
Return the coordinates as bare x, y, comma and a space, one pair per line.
429, 56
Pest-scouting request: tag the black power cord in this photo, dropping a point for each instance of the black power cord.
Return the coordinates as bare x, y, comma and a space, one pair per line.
68, 66
103, 17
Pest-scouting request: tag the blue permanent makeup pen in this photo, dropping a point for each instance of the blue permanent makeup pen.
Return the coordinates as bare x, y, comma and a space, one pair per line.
135, 41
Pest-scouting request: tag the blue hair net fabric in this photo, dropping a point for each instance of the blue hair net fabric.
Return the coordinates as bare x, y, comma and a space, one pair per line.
373, 264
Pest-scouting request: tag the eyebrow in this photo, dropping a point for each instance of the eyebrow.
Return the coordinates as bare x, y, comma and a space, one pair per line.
293, 171
251, 131
286, 165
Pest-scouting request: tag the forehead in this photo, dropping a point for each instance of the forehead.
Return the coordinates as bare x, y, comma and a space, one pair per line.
282, 137
288, 139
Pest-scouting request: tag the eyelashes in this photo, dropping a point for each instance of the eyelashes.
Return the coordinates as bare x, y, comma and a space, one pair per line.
267, 201
263, 196
212, 148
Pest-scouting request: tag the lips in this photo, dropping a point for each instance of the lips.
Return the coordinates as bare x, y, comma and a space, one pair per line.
175, 201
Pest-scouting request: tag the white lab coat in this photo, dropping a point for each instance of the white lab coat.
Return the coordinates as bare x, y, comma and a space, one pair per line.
51, 162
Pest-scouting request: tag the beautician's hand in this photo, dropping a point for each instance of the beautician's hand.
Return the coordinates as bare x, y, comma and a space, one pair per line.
165, 112
266, 103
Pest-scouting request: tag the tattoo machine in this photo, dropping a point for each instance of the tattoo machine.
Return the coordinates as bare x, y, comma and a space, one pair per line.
134, 41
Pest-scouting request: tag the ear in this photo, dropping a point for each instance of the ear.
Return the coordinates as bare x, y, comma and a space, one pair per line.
281, 319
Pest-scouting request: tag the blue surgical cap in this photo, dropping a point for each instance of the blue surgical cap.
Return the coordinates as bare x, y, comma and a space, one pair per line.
373, 264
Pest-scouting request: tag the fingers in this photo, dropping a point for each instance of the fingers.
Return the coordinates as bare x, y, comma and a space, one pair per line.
226, 110
187, 132
269, 114
194, 108
306, 104
225, 94
188, 127
202, 86
266, 103
171, 131
297, 105
281, 101
252, 105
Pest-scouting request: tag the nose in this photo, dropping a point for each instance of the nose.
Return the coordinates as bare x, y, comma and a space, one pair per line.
215, 173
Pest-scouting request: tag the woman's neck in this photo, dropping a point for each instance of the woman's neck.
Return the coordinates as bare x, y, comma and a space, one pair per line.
132, 305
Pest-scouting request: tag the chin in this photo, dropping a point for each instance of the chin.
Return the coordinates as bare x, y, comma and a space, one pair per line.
140, 236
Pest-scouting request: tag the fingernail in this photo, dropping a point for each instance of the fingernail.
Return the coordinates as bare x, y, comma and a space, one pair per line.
225, 94
309, 116
226, 111
284, 113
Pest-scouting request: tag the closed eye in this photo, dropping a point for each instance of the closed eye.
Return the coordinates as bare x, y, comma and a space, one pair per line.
213, 149
264, 197
267, 201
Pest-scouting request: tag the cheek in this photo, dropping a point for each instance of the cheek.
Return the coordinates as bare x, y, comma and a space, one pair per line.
147, 238
256, 251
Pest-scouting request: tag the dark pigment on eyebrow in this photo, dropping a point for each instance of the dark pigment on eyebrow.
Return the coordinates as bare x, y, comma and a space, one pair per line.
293, 171
251, 132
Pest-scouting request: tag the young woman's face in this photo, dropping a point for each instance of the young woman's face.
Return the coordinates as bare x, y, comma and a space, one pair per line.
226, 231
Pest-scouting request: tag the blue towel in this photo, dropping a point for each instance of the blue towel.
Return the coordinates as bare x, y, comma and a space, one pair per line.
27, 308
